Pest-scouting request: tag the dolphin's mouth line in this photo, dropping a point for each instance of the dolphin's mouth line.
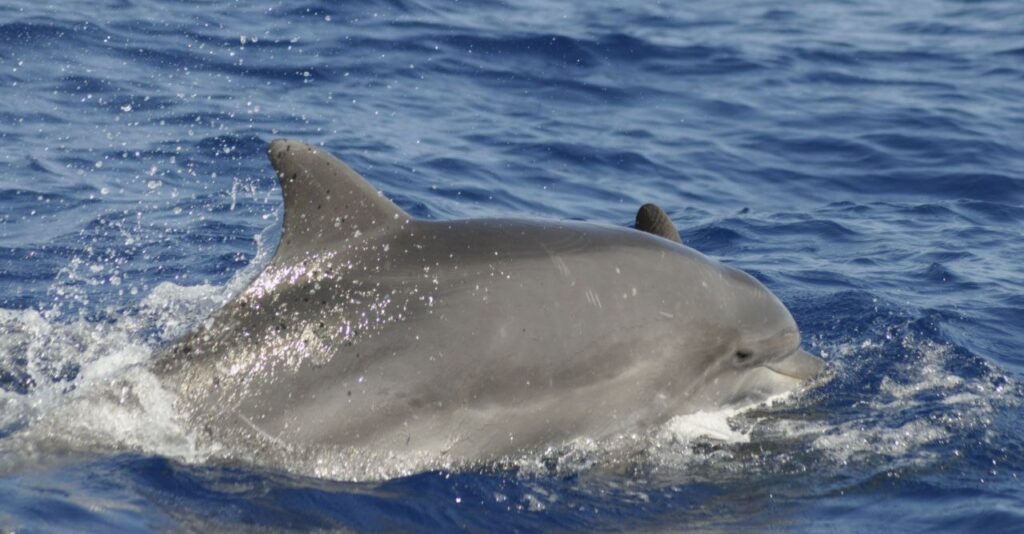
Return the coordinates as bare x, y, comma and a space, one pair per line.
798, 364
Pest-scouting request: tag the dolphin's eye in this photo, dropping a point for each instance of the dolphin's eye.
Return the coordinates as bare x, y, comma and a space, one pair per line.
743, 355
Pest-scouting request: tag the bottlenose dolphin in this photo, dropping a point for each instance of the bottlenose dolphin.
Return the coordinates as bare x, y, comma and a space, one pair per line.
471, 339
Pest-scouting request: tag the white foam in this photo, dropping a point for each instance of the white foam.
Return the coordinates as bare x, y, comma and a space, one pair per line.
90, 386
904, 443
892, 427
114, 402
712, 425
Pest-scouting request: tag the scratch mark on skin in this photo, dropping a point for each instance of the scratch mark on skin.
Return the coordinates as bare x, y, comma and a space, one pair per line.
260, 431
563, 269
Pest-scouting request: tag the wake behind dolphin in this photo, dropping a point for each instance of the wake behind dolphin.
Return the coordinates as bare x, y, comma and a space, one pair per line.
470, 339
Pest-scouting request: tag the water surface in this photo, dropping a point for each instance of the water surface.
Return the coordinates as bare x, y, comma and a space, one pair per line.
862, 159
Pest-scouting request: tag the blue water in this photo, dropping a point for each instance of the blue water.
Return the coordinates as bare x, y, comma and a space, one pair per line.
863, 159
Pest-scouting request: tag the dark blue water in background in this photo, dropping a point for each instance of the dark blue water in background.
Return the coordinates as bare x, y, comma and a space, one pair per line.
864, 159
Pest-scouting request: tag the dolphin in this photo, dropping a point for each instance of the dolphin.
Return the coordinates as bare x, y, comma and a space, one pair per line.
470, 340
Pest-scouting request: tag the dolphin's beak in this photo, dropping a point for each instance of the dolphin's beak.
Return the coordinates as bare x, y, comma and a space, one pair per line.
799, 365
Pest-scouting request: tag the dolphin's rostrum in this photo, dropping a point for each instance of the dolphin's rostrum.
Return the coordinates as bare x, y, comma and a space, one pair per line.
471, 339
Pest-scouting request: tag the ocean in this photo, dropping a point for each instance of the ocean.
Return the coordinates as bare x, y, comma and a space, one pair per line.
863, 159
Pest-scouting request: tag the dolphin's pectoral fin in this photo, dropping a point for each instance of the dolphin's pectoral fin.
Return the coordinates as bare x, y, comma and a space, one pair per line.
325, 200
652, 219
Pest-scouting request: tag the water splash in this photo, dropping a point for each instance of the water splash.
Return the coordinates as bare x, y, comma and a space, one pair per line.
82, 386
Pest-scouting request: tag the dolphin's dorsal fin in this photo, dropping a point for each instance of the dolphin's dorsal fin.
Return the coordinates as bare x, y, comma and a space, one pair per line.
652, 219
325, 201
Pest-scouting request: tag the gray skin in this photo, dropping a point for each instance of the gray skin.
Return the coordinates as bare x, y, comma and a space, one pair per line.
470, 339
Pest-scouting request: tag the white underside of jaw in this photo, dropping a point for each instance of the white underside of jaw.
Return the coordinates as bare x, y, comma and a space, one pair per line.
729, 396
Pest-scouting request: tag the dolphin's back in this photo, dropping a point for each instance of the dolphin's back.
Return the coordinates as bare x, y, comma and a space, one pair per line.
442, 330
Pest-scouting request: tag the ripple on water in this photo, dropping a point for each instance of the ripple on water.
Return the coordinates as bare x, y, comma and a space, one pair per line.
864, 163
